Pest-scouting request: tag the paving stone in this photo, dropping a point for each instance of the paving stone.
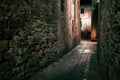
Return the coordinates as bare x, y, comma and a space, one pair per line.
79, 64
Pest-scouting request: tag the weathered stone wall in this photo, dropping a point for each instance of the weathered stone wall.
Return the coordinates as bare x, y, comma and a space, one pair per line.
33, 35
72, 22
109, 39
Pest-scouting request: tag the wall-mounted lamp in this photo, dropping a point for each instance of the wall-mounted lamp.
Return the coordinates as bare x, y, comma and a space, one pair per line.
98, 1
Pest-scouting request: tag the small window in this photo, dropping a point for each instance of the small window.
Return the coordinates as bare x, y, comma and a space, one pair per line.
82, 11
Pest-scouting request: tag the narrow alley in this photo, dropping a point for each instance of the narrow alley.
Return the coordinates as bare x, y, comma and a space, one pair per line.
59, 39
79, 64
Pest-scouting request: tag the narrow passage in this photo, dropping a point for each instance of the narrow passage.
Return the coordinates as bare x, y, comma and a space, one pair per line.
79, 64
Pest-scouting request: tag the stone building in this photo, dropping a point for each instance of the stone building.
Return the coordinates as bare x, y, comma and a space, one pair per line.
86, 13
85, 16
89, 18
35, 33
109, 38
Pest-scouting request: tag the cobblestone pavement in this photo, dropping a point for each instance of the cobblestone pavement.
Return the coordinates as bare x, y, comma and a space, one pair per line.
79, 64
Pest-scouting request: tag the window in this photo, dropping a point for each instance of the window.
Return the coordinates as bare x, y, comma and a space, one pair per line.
82, 11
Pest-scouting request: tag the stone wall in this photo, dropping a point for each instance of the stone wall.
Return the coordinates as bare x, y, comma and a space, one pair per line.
109, 39
32, 36
72, 22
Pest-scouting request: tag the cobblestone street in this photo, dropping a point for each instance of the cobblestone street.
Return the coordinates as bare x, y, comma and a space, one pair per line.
79, 64
60, 40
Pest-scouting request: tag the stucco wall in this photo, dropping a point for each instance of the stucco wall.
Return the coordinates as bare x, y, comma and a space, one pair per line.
86, 19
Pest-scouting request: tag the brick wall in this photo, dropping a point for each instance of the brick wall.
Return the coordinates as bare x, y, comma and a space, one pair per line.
109, 39
33, 35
